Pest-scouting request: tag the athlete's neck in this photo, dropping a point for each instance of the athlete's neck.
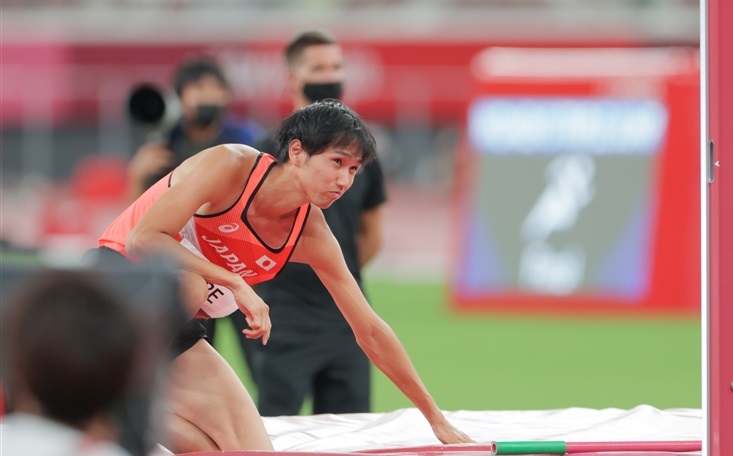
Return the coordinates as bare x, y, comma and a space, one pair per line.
279, 195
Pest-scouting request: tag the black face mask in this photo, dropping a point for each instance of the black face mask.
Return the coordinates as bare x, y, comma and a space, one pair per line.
206, 115
317, 92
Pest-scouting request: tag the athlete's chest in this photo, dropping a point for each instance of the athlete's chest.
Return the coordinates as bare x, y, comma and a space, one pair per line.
273, 233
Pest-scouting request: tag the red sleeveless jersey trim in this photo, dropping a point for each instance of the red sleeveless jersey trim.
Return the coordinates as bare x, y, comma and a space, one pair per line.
228, 240
115, 236
225, 238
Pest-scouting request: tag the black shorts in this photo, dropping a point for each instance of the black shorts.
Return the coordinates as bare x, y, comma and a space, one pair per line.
191, 332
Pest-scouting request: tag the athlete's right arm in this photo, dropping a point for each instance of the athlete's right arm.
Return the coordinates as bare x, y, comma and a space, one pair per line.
212, 179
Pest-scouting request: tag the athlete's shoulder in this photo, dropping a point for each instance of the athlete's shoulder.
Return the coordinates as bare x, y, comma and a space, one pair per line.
227, 162
315, 236
316, 225
239, 155
235, 150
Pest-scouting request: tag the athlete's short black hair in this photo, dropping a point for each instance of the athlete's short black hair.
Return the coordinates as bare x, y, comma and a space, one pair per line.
194, 69
323, 124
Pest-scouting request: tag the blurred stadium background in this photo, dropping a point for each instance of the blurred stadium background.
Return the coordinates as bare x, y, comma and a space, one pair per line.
69, 65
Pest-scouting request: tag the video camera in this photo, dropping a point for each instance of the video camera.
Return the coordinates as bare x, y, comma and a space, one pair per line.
152, 111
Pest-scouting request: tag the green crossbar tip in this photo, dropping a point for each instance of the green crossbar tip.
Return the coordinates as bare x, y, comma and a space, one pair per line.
548, 447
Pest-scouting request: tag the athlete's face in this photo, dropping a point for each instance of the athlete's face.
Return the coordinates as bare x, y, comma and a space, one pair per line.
326, 176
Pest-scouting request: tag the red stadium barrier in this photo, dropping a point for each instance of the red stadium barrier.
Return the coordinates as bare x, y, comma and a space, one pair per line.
386, 81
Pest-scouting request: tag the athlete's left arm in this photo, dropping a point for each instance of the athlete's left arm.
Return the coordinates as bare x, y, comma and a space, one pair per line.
319, 248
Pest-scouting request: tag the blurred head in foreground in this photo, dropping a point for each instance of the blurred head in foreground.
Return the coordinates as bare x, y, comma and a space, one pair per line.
71, 348
70, 345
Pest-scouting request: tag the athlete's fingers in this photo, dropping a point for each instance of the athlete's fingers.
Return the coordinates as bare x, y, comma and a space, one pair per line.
252, 318
257, 315
256, 322
256, 334
253, 323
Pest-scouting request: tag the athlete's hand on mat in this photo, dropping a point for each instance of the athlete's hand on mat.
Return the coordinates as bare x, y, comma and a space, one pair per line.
255, 311
447, 433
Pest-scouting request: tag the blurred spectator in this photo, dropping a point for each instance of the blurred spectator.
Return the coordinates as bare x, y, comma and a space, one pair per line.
71, 348
312, 350
85, 356
205, 96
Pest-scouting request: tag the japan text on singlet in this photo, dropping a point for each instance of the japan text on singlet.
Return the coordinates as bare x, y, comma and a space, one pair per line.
225, 239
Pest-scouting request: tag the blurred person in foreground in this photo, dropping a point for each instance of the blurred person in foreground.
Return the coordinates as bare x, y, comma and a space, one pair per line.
70, 350
313, 352
231, 217
205, 95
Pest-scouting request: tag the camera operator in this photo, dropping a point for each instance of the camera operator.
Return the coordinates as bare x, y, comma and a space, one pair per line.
205, 96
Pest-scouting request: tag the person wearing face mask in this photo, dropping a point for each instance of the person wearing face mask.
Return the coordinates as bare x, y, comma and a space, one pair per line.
313, 351
205, 96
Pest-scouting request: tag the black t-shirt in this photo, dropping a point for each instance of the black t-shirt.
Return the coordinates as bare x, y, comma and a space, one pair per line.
296, 296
